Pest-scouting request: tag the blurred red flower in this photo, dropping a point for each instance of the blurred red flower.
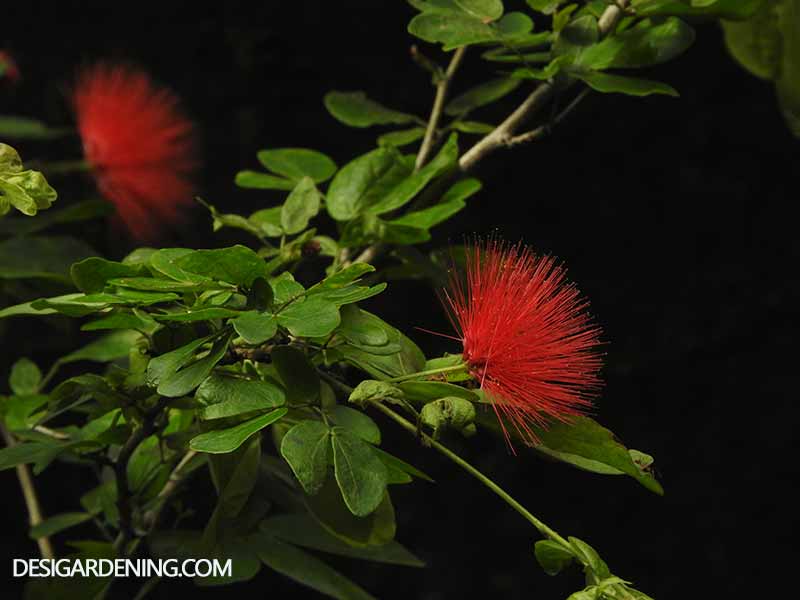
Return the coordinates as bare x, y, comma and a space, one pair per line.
9, 72
527, 336
138, 143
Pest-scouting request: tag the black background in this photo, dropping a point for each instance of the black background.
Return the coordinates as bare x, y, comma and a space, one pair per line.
673, 216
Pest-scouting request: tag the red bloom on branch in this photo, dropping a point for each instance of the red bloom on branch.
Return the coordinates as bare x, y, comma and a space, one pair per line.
9, 72
526, 335
138, 143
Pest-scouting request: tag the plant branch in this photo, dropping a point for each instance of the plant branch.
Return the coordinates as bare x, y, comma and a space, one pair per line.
29, 494
442, 88
547, 128
148, 427
152, 517
505, 132
504, 135
544, 529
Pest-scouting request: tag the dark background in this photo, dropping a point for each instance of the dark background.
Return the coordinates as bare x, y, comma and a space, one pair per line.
672, 215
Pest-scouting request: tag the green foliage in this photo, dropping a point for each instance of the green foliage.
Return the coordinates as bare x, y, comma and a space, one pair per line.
209, 354
725, 9
455, 24
307, 449
297, 163
768, 45
25, 128
25, 190
357, 110
222, 441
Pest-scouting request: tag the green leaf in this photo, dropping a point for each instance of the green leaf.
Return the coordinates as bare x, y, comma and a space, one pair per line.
552, 556
329, 509
307, 570
109, 347
58, 523
370, 390
547, 7
261, 181
401, 138
404, 357
788, 84
347, 194
172, 373
725, 9
313, 317
268, 220
25, 377
362, 328
409, 187
301, 205
47, 257
576, 37
757, 43
457, 29
27, 191
90, 275
225, 395
474, 127
222, 441
297, 374
488, 10
767, 45
255, 327
24, 128
165, 262
648, 43
452, 202
297, 163
588, 556
238, 265
121, 320
191, 315
361, 475
427, 391
481, 95
396, 464
607, 83
39, 453
357, 423
300, 530
356, 110
307, 449
585, 444
80, 211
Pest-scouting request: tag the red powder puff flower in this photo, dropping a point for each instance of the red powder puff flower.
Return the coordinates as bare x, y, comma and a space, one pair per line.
138, 143
527, 336
9, 72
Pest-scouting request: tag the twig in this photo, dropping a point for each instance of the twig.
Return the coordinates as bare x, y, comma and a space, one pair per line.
370, 253
411, 428
547, 128
31, 499
147, 429
506, 131
504, 135
442, 87
177, 477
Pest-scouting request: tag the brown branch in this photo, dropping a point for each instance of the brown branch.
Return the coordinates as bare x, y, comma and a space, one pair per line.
504, 133
29, 494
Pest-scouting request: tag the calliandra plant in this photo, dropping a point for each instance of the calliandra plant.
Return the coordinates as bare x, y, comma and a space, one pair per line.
219, 363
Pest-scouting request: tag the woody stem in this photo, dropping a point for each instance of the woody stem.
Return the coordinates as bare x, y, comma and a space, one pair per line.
539, 525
